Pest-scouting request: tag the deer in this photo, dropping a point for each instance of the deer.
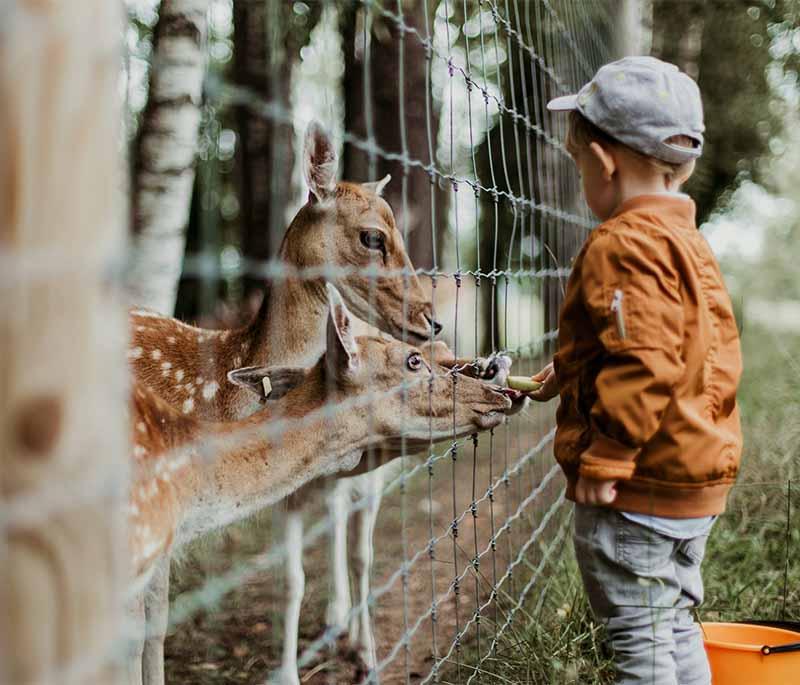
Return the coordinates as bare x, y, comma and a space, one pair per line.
368, 488
348, 230
191, 476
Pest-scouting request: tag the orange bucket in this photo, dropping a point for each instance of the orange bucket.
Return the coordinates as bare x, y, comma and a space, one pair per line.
744, 654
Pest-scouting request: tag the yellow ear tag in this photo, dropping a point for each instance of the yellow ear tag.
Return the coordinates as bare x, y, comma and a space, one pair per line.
265, 382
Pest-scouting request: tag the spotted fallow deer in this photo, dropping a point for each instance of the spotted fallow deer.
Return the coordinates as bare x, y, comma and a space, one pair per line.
191, 476
346, 227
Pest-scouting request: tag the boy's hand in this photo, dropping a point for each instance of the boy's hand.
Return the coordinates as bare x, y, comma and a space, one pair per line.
591, 491
549, 389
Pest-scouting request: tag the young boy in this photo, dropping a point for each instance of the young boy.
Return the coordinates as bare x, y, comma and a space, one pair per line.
647, 368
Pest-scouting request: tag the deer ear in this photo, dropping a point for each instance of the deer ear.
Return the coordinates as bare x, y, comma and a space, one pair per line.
378, 186
268, 382
319, 162
342, 350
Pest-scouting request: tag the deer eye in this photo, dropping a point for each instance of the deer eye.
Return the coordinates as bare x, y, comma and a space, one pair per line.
414, 361
374, 240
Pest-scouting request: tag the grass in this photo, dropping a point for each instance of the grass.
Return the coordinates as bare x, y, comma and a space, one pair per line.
752, 566
553, 638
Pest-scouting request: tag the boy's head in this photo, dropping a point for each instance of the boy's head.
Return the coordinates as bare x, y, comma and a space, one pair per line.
636, 127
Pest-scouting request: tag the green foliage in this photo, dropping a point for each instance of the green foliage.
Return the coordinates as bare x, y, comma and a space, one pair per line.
555, 641
726, 45
747, 555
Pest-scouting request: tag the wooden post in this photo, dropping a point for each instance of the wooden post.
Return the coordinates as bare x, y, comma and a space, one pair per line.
62, 364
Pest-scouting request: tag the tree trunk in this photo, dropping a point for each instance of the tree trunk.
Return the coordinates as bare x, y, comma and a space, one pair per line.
164, 153
262, 63
424, 212
62, 367
631, 17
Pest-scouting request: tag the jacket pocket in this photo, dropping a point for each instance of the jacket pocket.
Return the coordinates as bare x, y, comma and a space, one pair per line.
692, 551
621, 318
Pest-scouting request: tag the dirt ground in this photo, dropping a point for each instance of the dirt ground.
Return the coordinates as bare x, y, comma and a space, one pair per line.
239, 639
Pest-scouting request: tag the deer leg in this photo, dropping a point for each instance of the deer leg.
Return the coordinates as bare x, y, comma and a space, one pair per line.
339, 603
361, 627
135, 639
296, 587
156, 608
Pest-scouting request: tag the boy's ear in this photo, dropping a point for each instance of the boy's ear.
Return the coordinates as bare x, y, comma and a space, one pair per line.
267, 382
606, 159
686, 172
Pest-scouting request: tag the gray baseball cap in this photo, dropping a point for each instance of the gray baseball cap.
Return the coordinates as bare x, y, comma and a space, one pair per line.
642, 101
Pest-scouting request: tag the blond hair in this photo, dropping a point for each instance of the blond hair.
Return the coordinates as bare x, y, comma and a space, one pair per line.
581, 132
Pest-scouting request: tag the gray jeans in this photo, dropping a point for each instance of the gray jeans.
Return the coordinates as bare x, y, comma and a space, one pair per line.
643, 586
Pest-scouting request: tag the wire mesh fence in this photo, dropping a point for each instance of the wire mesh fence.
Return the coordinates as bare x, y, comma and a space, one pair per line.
449, 97
487, 197
427, 562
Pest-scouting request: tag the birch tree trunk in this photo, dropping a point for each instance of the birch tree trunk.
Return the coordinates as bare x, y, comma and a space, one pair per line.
62, 367
164, 167
632, 17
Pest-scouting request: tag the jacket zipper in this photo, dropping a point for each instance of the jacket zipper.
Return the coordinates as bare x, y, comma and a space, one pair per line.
616, 308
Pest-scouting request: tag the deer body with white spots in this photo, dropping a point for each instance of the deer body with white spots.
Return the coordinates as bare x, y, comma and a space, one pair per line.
345, 228
345, 235
191, 476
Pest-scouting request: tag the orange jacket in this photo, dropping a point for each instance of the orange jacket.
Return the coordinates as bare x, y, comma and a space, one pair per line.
648, 364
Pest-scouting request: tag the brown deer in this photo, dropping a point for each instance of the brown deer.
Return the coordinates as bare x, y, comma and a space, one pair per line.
348, 229
191, 476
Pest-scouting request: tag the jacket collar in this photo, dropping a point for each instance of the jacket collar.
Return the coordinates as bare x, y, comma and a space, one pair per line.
673, 209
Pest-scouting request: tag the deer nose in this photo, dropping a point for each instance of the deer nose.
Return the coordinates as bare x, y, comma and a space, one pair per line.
435, 325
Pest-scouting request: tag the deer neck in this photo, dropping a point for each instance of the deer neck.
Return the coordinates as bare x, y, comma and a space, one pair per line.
268, 455
289, 329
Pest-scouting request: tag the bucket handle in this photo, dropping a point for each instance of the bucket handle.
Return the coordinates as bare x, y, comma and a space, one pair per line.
766, 650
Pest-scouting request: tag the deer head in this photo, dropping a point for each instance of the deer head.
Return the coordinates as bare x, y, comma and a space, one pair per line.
399, 391
350, 226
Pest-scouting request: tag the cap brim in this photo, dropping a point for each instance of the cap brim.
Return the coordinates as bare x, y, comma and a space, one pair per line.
565, 103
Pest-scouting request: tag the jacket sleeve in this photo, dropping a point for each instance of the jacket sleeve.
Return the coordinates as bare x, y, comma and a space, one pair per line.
632, 291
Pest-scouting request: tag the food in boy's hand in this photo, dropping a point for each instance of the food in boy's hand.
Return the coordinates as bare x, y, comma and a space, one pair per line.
523, 383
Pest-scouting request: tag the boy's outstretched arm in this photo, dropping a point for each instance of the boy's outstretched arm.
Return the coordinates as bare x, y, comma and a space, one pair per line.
632, 291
